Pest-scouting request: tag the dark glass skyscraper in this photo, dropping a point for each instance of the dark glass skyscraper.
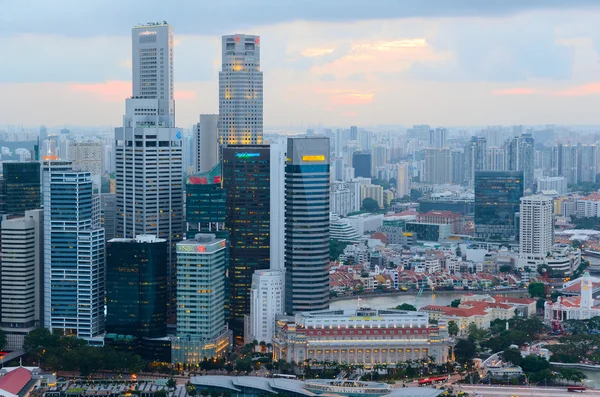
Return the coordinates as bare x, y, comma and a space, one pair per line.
307, 185
497, 200
136, 286
22, 187
246, 180
205, 202
361, 161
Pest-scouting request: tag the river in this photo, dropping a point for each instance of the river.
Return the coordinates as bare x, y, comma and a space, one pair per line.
442, 298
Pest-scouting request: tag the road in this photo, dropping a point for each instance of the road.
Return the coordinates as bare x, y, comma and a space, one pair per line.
504, 391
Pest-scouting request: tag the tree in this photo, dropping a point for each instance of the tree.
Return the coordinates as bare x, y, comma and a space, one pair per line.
537, 290
512, 356
336, 248
455, 303
533, 363
464, 351
370, 205
476, 334
505, 268
406, 306
415, 194
453, 329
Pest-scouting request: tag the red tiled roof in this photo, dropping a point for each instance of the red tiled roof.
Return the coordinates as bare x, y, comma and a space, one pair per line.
14, 381
576, 287
455, 311
510, 299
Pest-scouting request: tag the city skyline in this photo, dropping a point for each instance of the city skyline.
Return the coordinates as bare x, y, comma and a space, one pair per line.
391, 65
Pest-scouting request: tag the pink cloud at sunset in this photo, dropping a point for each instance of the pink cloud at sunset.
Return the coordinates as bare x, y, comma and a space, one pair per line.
578, 90
515, 91
117, 91
349, 97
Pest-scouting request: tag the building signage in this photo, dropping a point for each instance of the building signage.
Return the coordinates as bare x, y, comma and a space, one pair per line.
246, 155
313, 158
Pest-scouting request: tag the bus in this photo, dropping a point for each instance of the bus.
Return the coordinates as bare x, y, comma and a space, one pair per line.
430, 381
576, 389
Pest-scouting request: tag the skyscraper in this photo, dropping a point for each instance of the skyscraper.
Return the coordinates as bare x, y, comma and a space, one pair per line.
520, 157
149, 149
73, 254
22, 187
201, 330
437, 138
267, 301
475, 152
87, 156
240, 91
361, 161
536, 230
497, 200
205, 202
458, 166
21, 276
136, 286
587, 161
307, 186
206, 142
403, 179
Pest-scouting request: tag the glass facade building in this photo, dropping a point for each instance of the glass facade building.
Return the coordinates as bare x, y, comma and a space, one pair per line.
22, 187
74, 262
307, 187
205, 201
136, 286
361, 161
246, 181
497, 200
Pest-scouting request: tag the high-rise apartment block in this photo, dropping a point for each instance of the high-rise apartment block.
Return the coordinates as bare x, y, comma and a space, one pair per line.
520, 157
73, 254
21, 276
557, 183
136, 286
149, 149
307, 187
206, 142
437, 138
536, 230
240, 91
497, 200
201, 330
475, 154
403, 179
438, 166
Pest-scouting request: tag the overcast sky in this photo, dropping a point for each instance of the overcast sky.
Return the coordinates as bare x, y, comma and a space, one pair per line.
335, 62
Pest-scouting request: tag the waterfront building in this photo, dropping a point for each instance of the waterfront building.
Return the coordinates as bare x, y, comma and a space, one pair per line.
267, 296
360, 337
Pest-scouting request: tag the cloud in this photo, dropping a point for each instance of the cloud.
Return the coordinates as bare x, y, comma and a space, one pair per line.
578, 90
515, 91
118, 91
113, 17
349, 97
316, 52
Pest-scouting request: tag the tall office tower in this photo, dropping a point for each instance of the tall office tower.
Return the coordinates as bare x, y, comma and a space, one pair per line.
108, 214
362, 161
520, 157
586, 166
536, 230
201, 330
340, 140
403, 179
475, 152
43, 135
22, 187
458, 166
495, 159
353, 133
136, 286
380, 157
438, 166
568, 163
307, 186
437, 138
497, 200
73, 254
21, 276
206, 142
148, 148
2, 196
240, 91
253, 182
87, 156
267, 298
205, 202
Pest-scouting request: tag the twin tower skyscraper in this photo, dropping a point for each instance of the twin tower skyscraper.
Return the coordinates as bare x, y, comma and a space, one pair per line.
149, 151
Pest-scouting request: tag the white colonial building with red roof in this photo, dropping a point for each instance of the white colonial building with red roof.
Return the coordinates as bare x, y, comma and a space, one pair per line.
574, 307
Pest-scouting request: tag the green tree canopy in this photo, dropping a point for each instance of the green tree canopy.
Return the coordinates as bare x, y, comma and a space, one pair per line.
453, 328
464, 351
406, 306
369, 204
455, 303
537, 290
512, 355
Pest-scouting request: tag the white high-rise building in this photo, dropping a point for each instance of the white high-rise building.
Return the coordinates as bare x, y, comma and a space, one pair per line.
403, 180
73, 254
536, 230
438, 166
20, 277
345, 198
206, 142
149, 149
558, 183
241, 91
266, 302
87, 156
